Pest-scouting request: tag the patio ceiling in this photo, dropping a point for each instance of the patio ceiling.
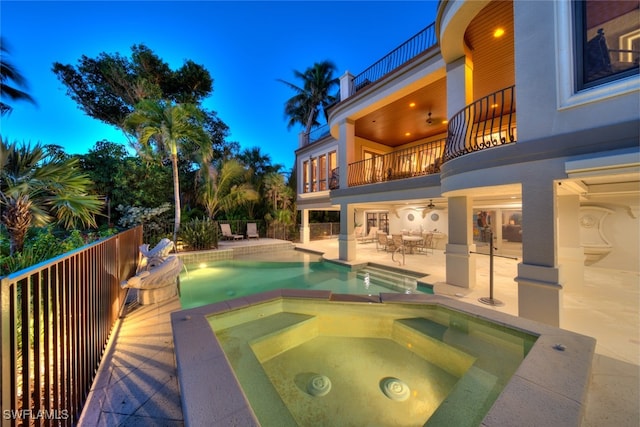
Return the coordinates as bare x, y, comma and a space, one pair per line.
399, 123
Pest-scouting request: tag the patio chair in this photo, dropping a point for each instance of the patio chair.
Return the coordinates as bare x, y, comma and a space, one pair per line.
252, 230
227, 234
384, 242
426, 244
398, 243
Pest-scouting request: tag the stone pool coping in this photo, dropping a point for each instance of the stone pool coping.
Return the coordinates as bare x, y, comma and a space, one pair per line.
549, 387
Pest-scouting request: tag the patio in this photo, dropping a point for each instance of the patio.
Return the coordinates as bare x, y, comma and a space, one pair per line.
137, 385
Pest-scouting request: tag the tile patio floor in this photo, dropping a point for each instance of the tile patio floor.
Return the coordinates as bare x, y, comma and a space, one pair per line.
136, 384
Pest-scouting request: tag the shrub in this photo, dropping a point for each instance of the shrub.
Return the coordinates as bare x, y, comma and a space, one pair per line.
200, 234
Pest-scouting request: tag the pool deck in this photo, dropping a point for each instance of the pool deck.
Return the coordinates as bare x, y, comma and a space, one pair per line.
136, 384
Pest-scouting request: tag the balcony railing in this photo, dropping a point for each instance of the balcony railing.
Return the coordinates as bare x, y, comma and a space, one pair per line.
404, 53
55, 322
420, 160
487, 123
317, 134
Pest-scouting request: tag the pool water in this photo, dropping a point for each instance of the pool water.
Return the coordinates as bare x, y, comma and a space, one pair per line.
326, 363
216, 281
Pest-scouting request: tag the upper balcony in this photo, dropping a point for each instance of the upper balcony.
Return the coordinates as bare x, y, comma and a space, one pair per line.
408, 109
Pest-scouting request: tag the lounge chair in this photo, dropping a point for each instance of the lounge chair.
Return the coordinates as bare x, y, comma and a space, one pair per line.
227, 234
252, 230
357, 232
371, 237
156, 283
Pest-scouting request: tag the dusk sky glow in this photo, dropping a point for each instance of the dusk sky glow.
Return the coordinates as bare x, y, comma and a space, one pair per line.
245, 46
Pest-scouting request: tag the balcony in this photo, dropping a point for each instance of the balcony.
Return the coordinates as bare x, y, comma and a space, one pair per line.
410, 162
421, 42
488, 122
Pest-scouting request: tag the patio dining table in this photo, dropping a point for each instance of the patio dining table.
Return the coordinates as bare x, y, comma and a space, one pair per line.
411, 241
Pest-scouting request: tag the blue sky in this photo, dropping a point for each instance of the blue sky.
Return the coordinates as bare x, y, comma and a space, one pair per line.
245, 46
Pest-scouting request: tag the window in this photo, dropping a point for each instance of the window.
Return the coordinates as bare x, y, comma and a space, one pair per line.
608, 40
314, 174
323, 172
305, 177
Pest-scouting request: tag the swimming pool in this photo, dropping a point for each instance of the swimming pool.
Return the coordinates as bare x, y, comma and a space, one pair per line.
215, 281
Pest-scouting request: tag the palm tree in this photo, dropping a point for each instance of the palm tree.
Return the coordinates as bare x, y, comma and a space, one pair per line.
8, 73
317, 83
164, 129
223, 188
280, 197
37, 188
259, 166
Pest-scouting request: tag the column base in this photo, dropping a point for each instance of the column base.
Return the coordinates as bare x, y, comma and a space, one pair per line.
305, 235
346, 247
539, 294
461, 265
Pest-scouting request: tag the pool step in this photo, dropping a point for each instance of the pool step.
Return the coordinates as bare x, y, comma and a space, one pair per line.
396, 281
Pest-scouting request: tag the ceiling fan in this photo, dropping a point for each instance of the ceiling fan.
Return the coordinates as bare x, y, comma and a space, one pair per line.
433, 207
433, 120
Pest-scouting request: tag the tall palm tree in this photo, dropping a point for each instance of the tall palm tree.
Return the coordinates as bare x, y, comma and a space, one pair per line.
9, 73
37, 188
317, 83
223, 188
164, 129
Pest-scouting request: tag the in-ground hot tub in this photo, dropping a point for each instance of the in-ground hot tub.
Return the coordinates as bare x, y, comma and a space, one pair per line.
311, 358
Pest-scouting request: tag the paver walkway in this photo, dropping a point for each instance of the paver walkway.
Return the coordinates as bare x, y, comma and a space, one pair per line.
137, 384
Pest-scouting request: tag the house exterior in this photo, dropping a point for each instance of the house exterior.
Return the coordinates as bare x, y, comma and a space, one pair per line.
516, 121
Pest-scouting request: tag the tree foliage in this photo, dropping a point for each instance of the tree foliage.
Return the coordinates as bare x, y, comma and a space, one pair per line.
109, 86
37, 189
314, 93
12, 82
225, 187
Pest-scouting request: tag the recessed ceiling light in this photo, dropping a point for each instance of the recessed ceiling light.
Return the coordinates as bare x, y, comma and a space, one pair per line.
494, 105
413, 104
444, 122
407, 134
499, 32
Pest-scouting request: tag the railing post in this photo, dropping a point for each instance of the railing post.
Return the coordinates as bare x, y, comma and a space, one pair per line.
5, 349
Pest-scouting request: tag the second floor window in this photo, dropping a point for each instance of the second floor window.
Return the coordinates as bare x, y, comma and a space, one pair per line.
608, 40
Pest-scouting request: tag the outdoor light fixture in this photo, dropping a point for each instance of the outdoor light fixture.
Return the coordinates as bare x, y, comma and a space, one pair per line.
499, 32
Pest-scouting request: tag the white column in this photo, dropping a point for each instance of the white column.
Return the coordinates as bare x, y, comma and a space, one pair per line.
346, 144
304, 226
539, 289
459, 84
570, 250
461, 264
346, 239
